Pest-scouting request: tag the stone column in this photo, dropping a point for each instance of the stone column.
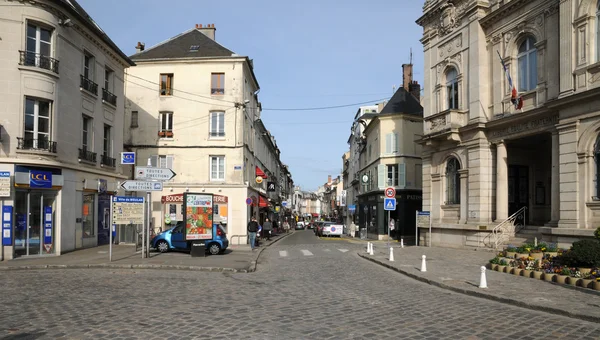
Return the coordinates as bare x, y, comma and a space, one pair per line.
464, 195
501, 182
555, 185
566, 47
436, 194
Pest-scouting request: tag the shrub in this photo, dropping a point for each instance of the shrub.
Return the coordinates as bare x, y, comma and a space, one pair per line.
597, 233
584, 253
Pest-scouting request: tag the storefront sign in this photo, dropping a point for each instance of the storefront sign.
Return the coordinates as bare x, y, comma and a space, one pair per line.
4, 184
40, 179
48, 227
128, 210
127, 157
526, 126
7, 213
198, 216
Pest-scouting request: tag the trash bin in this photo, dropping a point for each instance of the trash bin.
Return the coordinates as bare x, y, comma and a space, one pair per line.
198, 249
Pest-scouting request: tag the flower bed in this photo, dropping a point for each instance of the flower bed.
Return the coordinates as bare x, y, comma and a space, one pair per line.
578, 266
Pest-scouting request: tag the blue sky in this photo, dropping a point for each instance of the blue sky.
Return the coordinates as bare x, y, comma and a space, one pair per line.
312, 53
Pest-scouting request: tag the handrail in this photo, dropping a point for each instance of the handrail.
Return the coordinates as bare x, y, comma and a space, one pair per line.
508, 226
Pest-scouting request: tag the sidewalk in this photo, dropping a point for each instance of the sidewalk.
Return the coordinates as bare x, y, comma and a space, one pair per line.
460, 271
235, 259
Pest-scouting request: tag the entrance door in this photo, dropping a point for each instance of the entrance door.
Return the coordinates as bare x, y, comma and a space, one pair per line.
518, 189
29, 224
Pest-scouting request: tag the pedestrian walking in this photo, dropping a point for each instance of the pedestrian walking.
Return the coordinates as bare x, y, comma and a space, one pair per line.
268, 227
252, 230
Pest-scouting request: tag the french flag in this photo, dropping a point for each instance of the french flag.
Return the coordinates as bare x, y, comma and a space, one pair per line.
514, 95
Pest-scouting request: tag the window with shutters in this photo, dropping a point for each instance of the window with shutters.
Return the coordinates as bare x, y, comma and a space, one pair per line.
392, 175
217, 168
391, 143
162, 161
166, 84
452, 181
217, 124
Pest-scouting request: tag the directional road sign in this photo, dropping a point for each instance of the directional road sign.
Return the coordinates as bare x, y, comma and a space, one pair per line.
389, 204
390, 192
160, 174
142, 186
128, 210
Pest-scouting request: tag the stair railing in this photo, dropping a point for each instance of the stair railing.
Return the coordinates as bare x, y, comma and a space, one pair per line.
507, 228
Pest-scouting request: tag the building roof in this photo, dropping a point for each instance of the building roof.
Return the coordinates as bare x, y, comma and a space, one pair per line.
189, 44
403, 102
75, 9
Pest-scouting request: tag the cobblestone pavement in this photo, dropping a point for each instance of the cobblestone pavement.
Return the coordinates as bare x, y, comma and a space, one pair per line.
331, 294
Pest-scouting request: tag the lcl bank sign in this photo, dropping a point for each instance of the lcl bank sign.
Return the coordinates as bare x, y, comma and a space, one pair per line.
40, 179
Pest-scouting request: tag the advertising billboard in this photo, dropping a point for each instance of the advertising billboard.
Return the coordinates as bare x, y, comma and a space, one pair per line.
198, 216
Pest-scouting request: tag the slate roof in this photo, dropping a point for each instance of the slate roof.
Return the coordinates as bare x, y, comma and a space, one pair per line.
75, 9
403, 102
180, 47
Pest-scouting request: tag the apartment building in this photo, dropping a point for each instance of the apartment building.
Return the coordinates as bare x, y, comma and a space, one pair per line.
512, 119
61, 127
193, 107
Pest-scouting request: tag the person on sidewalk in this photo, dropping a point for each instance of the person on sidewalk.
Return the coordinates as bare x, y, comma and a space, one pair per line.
268, 227
252, 230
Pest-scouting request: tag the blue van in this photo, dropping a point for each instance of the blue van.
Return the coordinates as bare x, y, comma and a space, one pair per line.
173, 239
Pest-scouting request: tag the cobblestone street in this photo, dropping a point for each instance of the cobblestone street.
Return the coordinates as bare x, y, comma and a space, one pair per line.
327, 294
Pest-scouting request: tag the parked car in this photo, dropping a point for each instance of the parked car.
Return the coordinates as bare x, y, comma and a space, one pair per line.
173, 239
332, 229
300, 225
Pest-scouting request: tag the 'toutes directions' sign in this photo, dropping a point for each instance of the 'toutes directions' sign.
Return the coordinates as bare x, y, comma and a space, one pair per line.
142, 186
161, 174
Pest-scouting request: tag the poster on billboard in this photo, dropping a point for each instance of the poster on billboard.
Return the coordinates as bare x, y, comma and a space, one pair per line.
198, 216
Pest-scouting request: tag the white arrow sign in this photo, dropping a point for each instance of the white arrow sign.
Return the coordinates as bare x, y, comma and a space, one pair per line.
142, 186
161, 174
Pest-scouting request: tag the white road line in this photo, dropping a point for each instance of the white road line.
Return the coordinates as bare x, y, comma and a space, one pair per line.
343, 250
326, 250
282, 253
306, 252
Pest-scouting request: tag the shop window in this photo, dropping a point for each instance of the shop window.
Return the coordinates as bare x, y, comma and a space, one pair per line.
87, 214
527, 60
452, 181
452, 88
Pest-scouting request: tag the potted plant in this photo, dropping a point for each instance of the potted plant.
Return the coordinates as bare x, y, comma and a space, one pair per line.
538, 272
536, 253
501, 266
523, 251
493, 265
562, 274
549, 271
551, 250
511, 251
575, 277
587, 279
514, 267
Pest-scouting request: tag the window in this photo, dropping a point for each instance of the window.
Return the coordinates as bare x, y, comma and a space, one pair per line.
217, 124
527, 59
217, 83
162, 161
134, 119
392, 175
194, 48
452, 88
217, 168
39, 46
452, 181
88, 66
37, 122
166, 124
166, 84
107, 141
108, 79
87, 220
391, 143
86, 133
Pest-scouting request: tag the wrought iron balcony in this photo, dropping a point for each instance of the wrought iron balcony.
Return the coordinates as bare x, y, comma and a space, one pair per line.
109, 97
108, 161
87, 156
38, 60
88, 85
36, 144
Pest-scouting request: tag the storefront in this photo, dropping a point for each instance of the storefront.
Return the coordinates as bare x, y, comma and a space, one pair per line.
172, 212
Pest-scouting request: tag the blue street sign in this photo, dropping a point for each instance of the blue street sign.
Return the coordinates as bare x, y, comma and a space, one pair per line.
352, 207
127, 157
389, 204
423, 213
284, 204
128, 199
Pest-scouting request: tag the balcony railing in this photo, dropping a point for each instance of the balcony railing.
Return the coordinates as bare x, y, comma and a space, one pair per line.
88, 85
109, 97
108, 161
38, 60
87, 156
36, 144
216, 90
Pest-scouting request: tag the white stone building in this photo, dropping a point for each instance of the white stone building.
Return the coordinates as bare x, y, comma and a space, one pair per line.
485, 160
61, 127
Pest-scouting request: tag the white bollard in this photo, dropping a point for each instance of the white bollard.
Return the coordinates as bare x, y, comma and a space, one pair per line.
483, 281
368, 247
401, 243
535, 241
391, 254
371, 252
423, 264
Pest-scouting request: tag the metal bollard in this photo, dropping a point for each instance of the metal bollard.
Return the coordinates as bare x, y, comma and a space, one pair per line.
368, 247
423, 263
371, 252
391, 254
401, 243
483, 281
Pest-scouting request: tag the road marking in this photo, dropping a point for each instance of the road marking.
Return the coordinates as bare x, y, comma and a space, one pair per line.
282, 253
343, 250
306, 252
326, 250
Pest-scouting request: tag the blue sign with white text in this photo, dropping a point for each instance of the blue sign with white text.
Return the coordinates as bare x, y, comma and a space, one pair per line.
7, 213
352, 207
128, 199
4, 174
389, 204
127, 157
40, 179
47, 225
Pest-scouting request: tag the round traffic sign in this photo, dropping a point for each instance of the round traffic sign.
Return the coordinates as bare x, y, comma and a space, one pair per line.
248, 200
332, 229
390, 192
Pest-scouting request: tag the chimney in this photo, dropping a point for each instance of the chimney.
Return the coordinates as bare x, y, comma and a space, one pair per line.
140, 47
208, 30
329, 179
407, 76
415, 89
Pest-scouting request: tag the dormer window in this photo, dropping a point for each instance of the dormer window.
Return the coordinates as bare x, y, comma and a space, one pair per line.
194, 48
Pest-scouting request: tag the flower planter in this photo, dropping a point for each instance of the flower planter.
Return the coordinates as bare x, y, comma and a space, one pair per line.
574, 281
511, 254
562, 279
538, 274
596, 285
492, 266
527, 272
549, 277
584, 270
521, 255
516, 271
500, 268
586, 283
537, 256
551, 253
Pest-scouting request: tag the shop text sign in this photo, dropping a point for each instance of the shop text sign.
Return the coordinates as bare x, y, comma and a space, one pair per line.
526, 126
40, 179
128, 210
4, 184
198, 216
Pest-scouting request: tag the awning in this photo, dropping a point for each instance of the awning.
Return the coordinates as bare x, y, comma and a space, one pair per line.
263, 203
260, 173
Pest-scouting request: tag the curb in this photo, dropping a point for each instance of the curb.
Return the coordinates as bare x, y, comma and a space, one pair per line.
124, 266
252, 267
504, 300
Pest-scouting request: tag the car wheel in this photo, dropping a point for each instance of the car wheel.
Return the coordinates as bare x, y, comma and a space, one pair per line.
162, 246
214, 249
